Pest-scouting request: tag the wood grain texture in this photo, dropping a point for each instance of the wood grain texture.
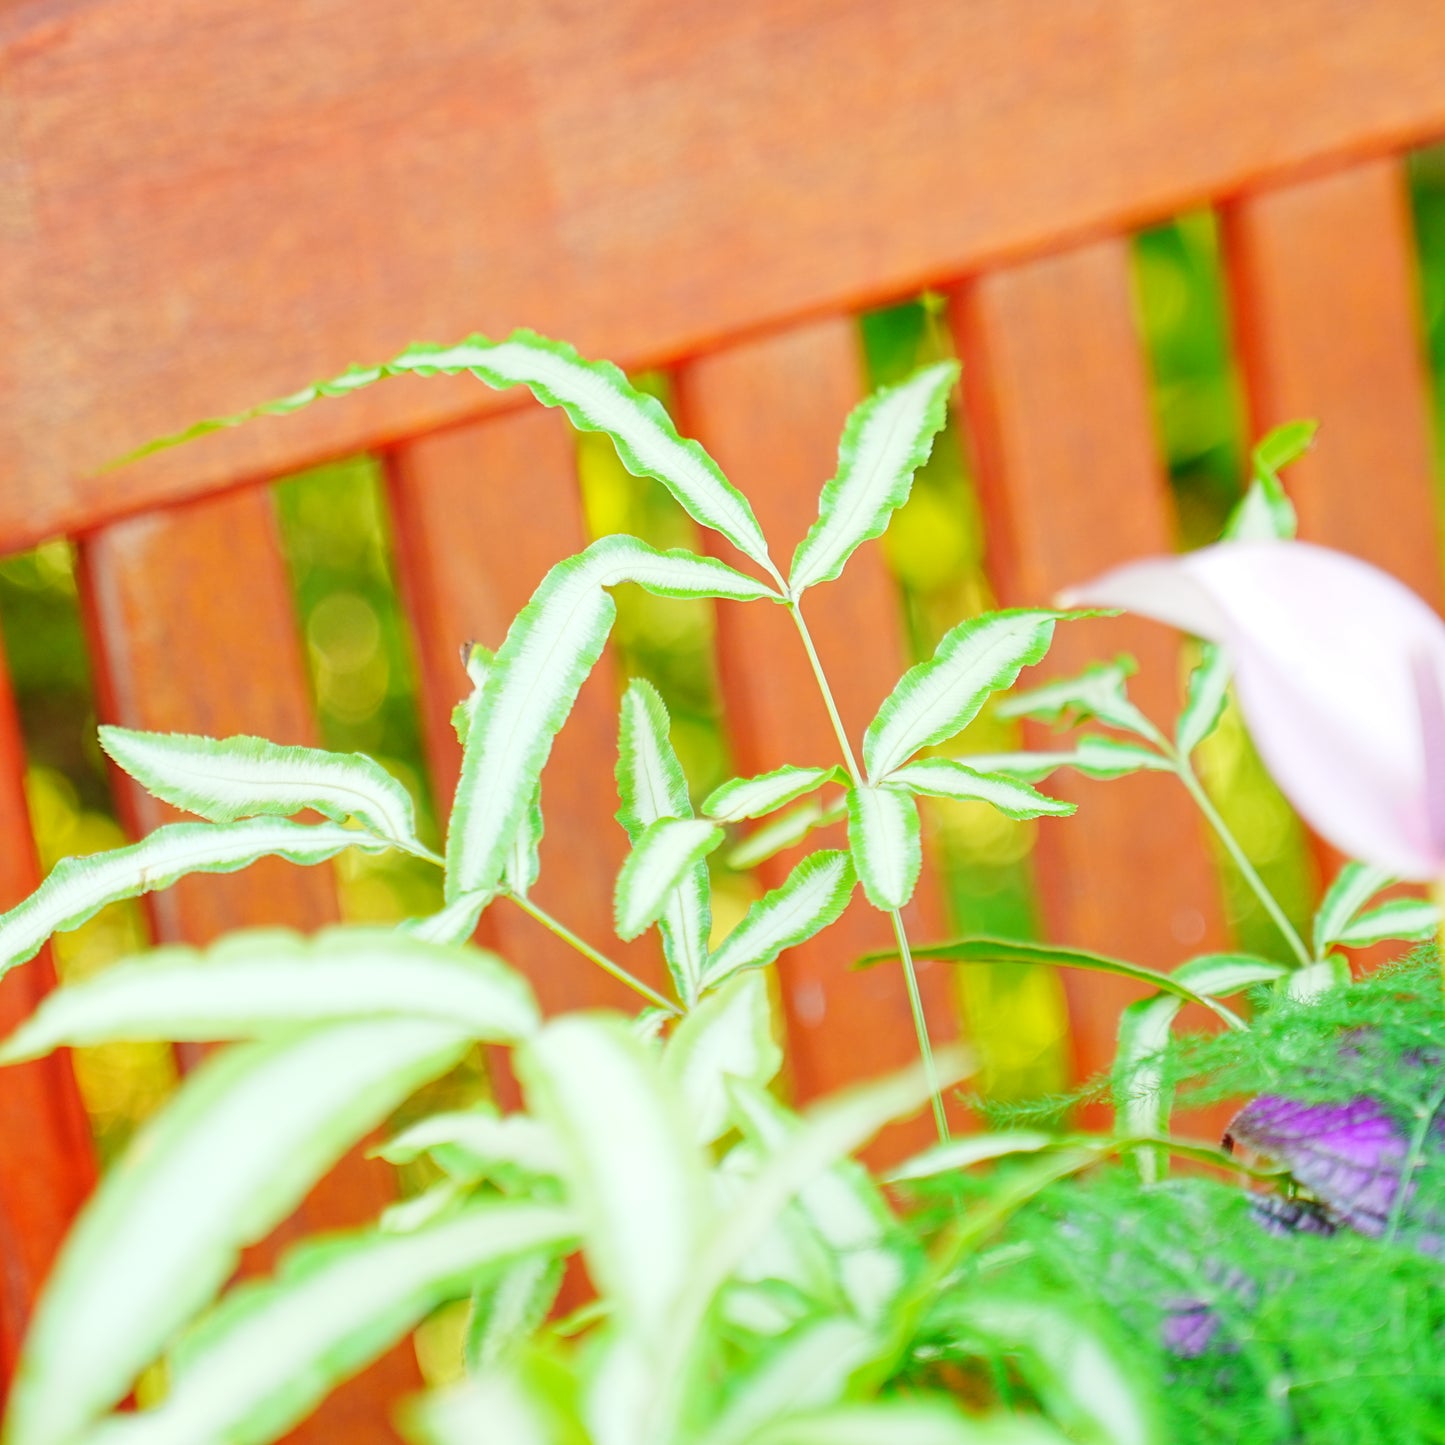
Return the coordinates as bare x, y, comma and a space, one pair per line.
1071, 484
1323, 282
197, 217
480, 513
193, 630
46, 1164
771, 413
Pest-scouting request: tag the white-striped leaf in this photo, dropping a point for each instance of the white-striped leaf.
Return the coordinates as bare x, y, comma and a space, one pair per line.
453, 924
533, 683
786, 830
1204, 699
526, 1402
812, 896
477, 660
650, 781
507, 1311
949, 778
419, 1210
842, 1206
831, 1130
78, 888
886, 439
1320, 977
913, 1421
805, 1369
260, 982
741, 798
272, 1350
632, 1169
524, 859
244, 777
595, 395
1093, 755
1142, 1103
1082, 1376
973, 1149
1354, 886
231, 1155
935, 699
885, 841
651, 785
476, 1144
1412, 919
728, 1035
1100, 691
666, 852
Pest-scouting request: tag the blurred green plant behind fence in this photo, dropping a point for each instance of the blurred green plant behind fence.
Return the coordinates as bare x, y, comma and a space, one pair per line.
334, 522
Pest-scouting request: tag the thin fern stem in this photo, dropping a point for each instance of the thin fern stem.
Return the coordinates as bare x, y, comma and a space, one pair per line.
920, 1027
617, 971
1247, 869
905, 953
839, 731
1419, 1139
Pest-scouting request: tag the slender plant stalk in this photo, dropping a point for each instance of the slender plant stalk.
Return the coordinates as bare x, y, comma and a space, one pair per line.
920, 1026
839, 731
587, 951
910, 973
1271, 905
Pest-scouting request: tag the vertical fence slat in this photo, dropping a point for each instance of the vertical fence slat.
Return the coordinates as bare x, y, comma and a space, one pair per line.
194, 630
480, 513
1070, 482
771, 412
46, 1164
1323, 288
1323, 284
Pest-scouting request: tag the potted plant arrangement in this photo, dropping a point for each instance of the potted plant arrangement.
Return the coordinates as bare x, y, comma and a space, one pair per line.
1027, 1284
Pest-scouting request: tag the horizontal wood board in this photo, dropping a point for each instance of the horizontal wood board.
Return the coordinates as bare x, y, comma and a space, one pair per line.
197, 217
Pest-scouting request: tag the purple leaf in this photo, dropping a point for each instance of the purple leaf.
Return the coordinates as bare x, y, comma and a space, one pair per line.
1348, 1155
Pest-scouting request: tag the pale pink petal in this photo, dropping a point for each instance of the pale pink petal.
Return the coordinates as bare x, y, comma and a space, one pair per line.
1328, 652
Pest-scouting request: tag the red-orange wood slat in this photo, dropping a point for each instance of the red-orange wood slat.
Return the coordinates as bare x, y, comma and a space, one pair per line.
1328, 325
177, 242
193, 631
46, 1164
1322, 275
1070, 483
770, 412
480, 514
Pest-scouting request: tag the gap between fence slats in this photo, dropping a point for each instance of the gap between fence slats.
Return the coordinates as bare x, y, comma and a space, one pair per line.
1322, 278
193, 630
480, 514
46, 1163
1070, 483
771, 413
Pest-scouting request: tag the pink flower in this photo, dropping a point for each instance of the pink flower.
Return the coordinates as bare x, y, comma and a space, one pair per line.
1340, 673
